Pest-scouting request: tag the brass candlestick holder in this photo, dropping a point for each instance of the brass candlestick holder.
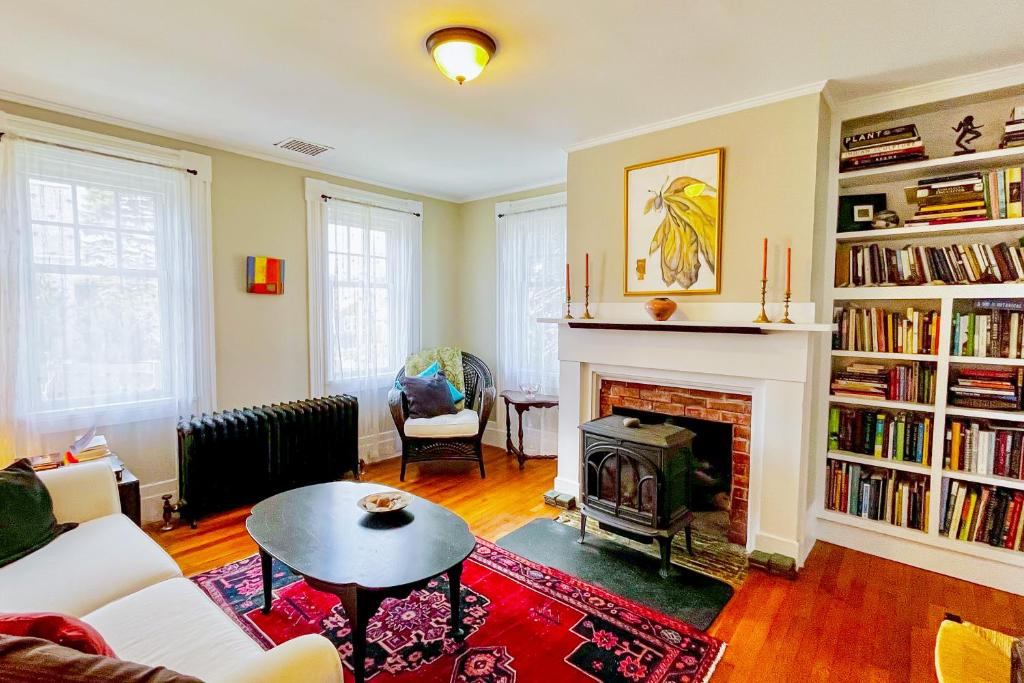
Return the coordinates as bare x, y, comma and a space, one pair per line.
763, 317
568, 305
785, 312
586, 304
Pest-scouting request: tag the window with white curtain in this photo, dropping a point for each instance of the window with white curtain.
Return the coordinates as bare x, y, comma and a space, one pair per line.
531, 285
365, 255
106, 300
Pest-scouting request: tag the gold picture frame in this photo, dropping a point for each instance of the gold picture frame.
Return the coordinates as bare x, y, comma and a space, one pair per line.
670, 218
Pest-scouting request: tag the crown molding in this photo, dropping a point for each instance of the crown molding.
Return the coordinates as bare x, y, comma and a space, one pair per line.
934, 91
30, 101
513, 190
713, 112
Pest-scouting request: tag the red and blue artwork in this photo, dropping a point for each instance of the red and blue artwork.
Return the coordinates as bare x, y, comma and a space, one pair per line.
264, 275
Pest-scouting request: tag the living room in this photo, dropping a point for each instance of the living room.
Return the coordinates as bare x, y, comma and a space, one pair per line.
498, 342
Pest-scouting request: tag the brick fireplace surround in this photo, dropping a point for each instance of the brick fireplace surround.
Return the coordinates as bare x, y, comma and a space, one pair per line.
715, 406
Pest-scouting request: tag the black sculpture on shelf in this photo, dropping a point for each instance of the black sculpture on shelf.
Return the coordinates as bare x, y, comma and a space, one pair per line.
968, 133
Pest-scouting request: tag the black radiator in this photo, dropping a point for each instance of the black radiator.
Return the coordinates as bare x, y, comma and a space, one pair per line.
242, 456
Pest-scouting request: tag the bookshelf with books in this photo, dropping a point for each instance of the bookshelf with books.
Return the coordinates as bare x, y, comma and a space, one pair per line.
928, 330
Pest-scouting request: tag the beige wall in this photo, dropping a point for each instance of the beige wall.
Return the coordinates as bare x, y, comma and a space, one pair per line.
770, 164
477, 309
259, 209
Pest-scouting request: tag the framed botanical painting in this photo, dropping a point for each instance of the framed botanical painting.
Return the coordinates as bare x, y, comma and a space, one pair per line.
673, 217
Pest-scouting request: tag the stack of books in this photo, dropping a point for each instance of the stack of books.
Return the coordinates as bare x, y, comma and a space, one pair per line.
870, 265
987, 388
881, 147
96, 448
991, 330
881, 330
912, 382
984, 449
982, 514
898, 498
949, 199
1013, 132
902, 436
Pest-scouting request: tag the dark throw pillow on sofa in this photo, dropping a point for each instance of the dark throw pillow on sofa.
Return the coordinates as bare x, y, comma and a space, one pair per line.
34, 660
26, 513
428, 396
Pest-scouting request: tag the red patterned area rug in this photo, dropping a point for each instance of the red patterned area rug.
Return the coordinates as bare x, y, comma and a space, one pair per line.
525, 622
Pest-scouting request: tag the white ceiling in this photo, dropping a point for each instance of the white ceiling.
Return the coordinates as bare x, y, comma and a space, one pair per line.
354, 74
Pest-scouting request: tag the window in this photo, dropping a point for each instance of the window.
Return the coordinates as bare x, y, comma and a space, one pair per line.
364, 288
98, 313
106, 297
531, 285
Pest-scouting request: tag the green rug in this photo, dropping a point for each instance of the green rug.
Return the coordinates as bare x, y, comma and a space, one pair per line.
694, 598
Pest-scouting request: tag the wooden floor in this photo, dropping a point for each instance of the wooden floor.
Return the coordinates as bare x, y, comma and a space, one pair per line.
849, 615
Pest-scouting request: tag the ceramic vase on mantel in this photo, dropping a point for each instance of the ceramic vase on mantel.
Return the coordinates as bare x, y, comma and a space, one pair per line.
660, 308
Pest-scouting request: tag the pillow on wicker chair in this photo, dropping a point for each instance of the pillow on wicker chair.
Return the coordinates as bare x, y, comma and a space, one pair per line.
428, 396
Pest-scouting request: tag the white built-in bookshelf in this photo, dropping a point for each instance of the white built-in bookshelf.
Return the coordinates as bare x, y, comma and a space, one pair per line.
927, 547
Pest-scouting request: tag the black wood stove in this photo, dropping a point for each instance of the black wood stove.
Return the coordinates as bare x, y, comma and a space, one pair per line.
637, 481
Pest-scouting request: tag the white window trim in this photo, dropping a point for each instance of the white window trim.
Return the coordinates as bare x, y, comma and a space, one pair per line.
107, 144
202, 164
316, 270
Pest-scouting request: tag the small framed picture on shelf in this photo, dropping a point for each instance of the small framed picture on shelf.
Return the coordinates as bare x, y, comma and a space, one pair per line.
857, 211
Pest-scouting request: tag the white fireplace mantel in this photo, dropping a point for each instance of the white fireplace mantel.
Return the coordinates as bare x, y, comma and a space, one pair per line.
776, 370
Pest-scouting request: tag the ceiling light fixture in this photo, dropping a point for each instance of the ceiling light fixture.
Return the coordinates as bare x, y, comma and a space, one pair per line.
461, 53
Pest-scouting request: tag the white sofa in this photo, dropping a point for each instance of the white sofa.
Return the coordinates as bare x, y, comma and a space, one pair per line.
112, 575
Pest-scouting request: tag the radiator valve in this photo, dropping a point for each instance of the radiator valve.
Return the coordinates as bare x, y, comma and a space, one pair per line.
169, 511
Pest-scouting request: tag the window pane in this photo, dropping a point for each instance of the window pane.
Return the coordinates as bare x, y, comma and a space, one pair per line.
53, 245
50, 201
138, 252
97, 248
101, 337
96, 206
137, 211
379, 274
356, 236
378, 243
356, 270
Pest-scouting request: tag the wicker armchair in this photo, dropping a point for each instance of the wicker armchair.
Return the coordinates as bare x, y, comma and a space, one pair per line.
480, 396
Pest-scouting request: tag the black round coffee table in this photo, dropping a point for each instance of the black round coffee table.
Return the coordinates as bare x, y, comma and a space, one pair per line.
322, 535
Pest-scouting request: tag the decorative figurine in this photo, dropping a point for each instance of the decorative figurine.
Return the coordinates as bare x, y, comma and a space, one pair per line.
885, 219
968, 133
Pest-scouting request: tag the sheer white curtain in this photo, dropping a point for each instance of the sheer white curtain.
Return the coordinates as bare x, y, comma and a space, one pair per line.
531, 285
369, 253
105, 314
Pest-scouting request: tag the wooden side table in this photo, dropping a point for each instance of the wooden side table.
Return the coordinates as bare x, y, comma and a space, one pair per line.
521, 402
128, 491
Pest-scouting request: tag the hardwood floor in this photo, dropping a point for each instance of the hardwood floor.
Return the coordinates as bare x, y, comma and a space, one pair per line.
848, 614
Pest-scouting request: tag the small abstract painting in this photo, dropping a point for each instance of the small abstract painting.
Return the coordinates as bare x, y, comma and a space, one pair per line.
264, 275
673, 216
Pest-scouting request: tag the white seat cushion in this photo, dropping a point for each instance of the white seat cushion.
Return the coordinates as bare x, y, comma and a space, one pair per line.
174, 624
100, 561
463, 423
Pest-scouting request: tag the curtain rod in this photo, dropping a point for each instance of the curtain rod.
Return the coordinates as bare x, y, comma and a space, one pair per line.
190, 171
539, 208
373, 206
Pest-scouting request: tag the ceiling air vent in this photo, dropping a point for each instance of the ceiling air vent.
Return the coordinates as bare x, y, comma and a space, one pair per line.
302, 147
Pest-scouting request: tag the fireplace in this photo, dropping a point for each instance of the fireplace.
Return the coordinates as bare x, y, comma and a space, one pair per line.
721, 447
637, 480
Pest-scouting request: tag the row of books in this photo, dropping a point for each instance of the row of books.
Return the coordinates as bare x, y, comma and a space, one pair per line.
972, 196
898, 498
878, 329
975, 446
987, 388
895, 145
903, 436
957, 264
991, 330
910, 382
982, 514
1013, 131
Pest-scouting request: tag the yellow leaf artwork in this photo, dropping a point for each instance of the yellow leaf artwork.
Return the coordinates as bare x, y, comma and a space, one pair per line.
677, 223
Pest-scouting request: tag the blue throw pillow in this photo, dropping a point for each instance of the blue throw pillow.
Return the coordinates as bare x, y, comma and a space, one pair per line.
432, 370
